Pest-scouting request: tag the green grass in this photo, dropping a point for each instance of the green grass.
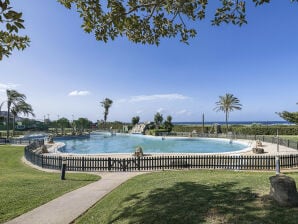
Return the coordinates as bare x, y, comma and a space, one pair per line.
192, 197
23, 188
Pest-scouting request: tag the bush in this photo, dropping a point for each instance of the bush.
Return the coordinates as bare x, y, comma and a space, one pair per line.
245, 130
266, 130
182, 128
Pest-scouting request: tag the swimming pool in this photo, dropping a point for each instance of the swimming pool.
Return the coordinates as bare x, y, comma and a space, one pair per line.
99, 143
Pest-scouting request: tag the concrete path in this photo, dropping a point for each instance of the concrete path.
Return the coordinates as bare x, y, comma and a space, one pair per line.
65, 209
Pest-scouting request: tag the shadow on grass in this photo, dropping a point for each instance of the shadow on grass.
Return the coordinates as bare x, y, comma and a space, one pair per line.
192, 203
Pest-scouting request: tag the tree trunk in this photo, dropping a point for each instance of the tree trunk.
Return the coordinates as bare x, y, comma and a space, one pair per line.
7, 123
13, 125
227, 126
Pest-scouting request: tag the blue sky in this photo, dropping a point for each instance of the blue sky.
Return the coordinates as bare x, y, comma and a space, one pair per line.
67, 72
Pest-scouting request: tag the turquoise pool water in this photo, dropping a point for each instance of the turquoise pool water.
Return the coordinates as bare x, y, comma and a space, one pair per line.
105, 143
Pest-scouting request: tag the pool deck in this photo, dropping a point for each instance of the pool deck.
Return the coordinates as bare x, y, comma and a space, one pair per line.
269, 149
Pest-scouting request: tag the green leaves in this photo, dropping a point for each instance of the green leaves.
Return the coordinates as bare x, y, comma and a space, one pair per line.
9, 41
291, 117
230, 12
12, 21
148, 21
141, 21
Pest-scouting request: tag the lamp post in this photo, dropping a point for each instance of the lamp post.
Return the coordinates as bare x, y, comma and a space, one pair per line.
63, 168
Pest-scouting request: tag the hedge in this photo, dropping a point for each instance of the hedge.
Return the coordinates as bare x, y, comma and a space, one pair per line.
246, 130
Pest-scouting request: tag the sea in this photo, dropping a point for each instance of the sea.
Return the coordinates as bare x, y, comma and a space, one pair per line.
269, 123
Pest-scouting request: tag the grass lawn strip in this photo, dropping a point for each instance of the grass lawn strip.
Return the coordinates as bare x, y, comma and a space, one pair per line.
24, 188
196, 196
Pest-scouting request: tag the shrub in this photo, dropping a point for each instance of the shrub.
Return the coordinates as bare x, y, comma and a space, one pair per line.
266, 130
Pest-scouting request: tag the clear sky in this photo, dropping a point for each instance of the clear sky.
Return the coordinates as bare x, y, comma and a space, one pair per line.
67, 72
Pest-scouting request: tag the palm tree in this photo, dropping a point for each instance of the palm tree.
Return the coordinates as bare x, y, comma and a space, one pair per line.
1, 117
135, 120
13, 98
228, 103
106, 104
168, 123
20, 107
63, 123
158, 118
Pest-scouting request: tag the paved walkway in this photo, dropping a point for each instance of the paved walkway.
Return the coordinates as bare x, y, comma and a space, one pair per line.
65, 209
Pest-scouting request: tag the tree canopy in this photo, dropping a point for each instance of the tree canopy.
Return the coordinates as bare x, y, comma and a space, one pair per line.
106, 104
135, 120
291, 117
168, 123
141, 21
15, 100
227, 104
147, 21
158, 118
11, 22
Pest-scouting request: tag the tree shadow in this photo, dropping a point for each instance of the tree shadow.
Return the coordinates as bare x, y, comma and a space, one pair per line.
192, 203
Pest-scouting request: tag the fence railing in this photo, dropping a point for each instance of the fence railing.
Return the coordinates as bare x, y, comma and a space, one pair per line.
95, 163
3, 140
24, 141
233, 162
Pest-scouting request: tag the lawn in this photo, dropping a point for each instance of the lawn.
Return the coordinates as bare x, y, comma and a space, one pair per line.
197, 196
23, 188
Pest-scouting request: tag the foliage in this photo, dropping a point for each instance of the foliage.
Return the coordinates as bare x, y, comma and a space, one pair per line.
14, 99
11, 21
23, 188
81, 124
156, 132
147, 21
106, 104
63, 123
21, 107
266, 130
34, 125
141, 21
185, 128
290, 137
135, 120
244, 129
193, 196
291, 117
158, 119
168, 124
228, 103
115, 125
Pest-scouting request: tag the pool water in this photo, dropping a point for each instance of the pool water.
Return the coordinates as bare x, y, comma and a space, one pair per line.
105, 143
